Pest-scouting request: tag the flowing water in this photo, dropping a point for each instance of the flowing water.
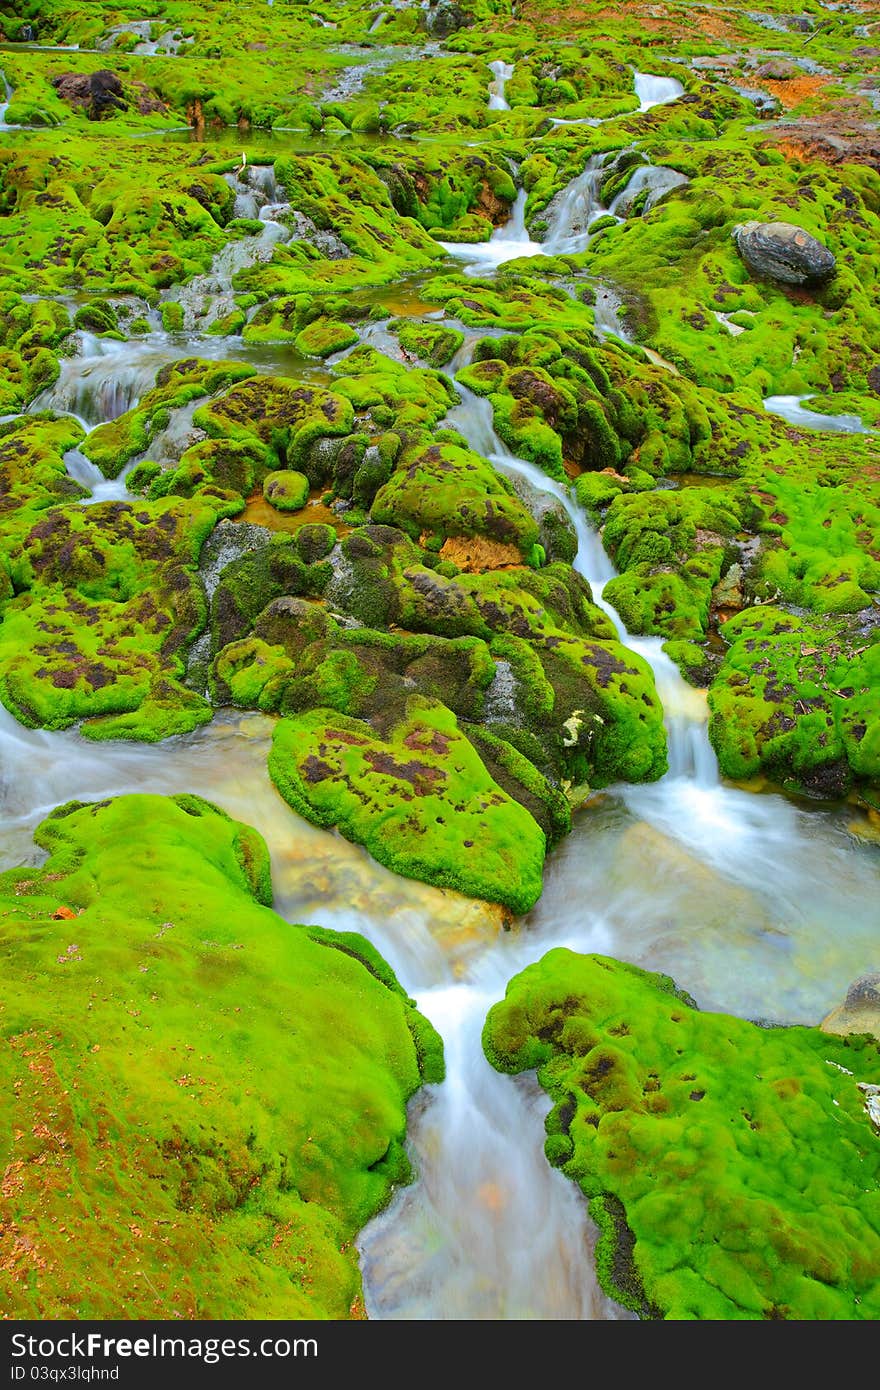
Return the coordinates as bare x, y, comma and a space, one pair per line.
754, 905
4, 104
502, 75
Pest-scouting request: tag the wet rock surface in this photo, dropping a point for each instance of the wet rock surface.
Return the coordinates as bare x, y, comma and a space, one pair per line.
784, 252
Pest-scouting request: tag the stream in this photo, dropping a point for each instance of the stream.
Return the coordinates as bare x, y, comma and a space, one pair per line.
755, 904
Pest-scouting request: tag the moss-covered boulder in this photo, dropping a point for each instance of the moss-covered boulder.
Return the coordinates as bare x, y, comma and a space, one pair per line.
224, 1111
732, 1168
434, 343
285, 417
419, 799
442, 490
797, 702
286, 489
110, 446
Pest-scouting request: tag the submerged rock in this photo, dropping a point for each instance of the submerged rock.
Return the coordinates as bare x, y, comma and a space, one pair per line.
784, 252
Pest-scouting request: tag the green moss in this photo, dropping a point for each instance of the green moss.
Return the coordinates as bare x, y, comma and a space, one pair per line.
797, 701
286, 489
447, 491
159, 1092
434, 343
728, 1165
110, 446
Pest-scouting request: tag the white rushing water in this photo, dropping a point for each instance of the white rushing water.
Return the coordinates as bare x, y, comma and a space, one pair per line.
507, 243
791, 408
502, 75
4, 104
444, 1247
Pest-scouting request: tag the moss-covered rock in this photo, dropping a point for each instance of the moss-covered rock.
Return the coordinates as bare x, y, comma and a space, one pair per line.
419, 799
286, 489
797, 702
730, 1167
110, 446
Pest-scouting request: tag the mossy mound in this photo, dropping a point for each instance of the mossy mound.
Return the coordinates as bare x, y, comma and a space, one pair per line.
220, 1116
797, 701
419, 799
434, 343
30, 334
105, 608
110, 446
732, 1168
285, 417
441, 490
286, 489
408, 401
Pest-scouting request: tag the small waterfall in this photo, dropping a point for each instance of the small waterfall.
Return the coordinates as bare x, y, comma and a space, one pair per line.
656, 178
106, 379
503, 73
685, 710
101, 489
4, 104
492, 1231
208, 297
656, 91
507, 243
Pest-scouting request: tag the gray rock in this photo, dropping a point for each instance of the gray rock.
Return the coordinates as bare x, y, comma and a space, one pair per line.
444, 17
784, 252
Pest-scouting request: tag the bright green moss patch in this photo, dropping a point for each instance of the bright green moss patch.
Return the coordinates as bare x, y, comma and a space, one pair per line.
104, 608
325, 336
447, 491
225, 1111
419, 799
732, 1168
798, 702
30, 334
434, 343
285, 417
110, 446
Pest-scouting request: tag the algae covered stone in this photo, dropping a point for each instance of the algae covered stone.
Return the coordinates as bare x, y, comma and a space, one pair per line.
419, 799
732, 1167
224, 1110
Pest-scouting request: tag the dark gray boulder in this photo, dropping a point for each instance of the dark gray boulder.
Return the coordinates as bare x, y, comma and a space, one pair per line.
784, 252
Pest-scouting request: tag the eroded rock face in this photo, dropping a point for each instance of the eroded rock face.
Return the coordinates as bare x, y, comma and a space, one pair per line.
784, 252
99, 92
